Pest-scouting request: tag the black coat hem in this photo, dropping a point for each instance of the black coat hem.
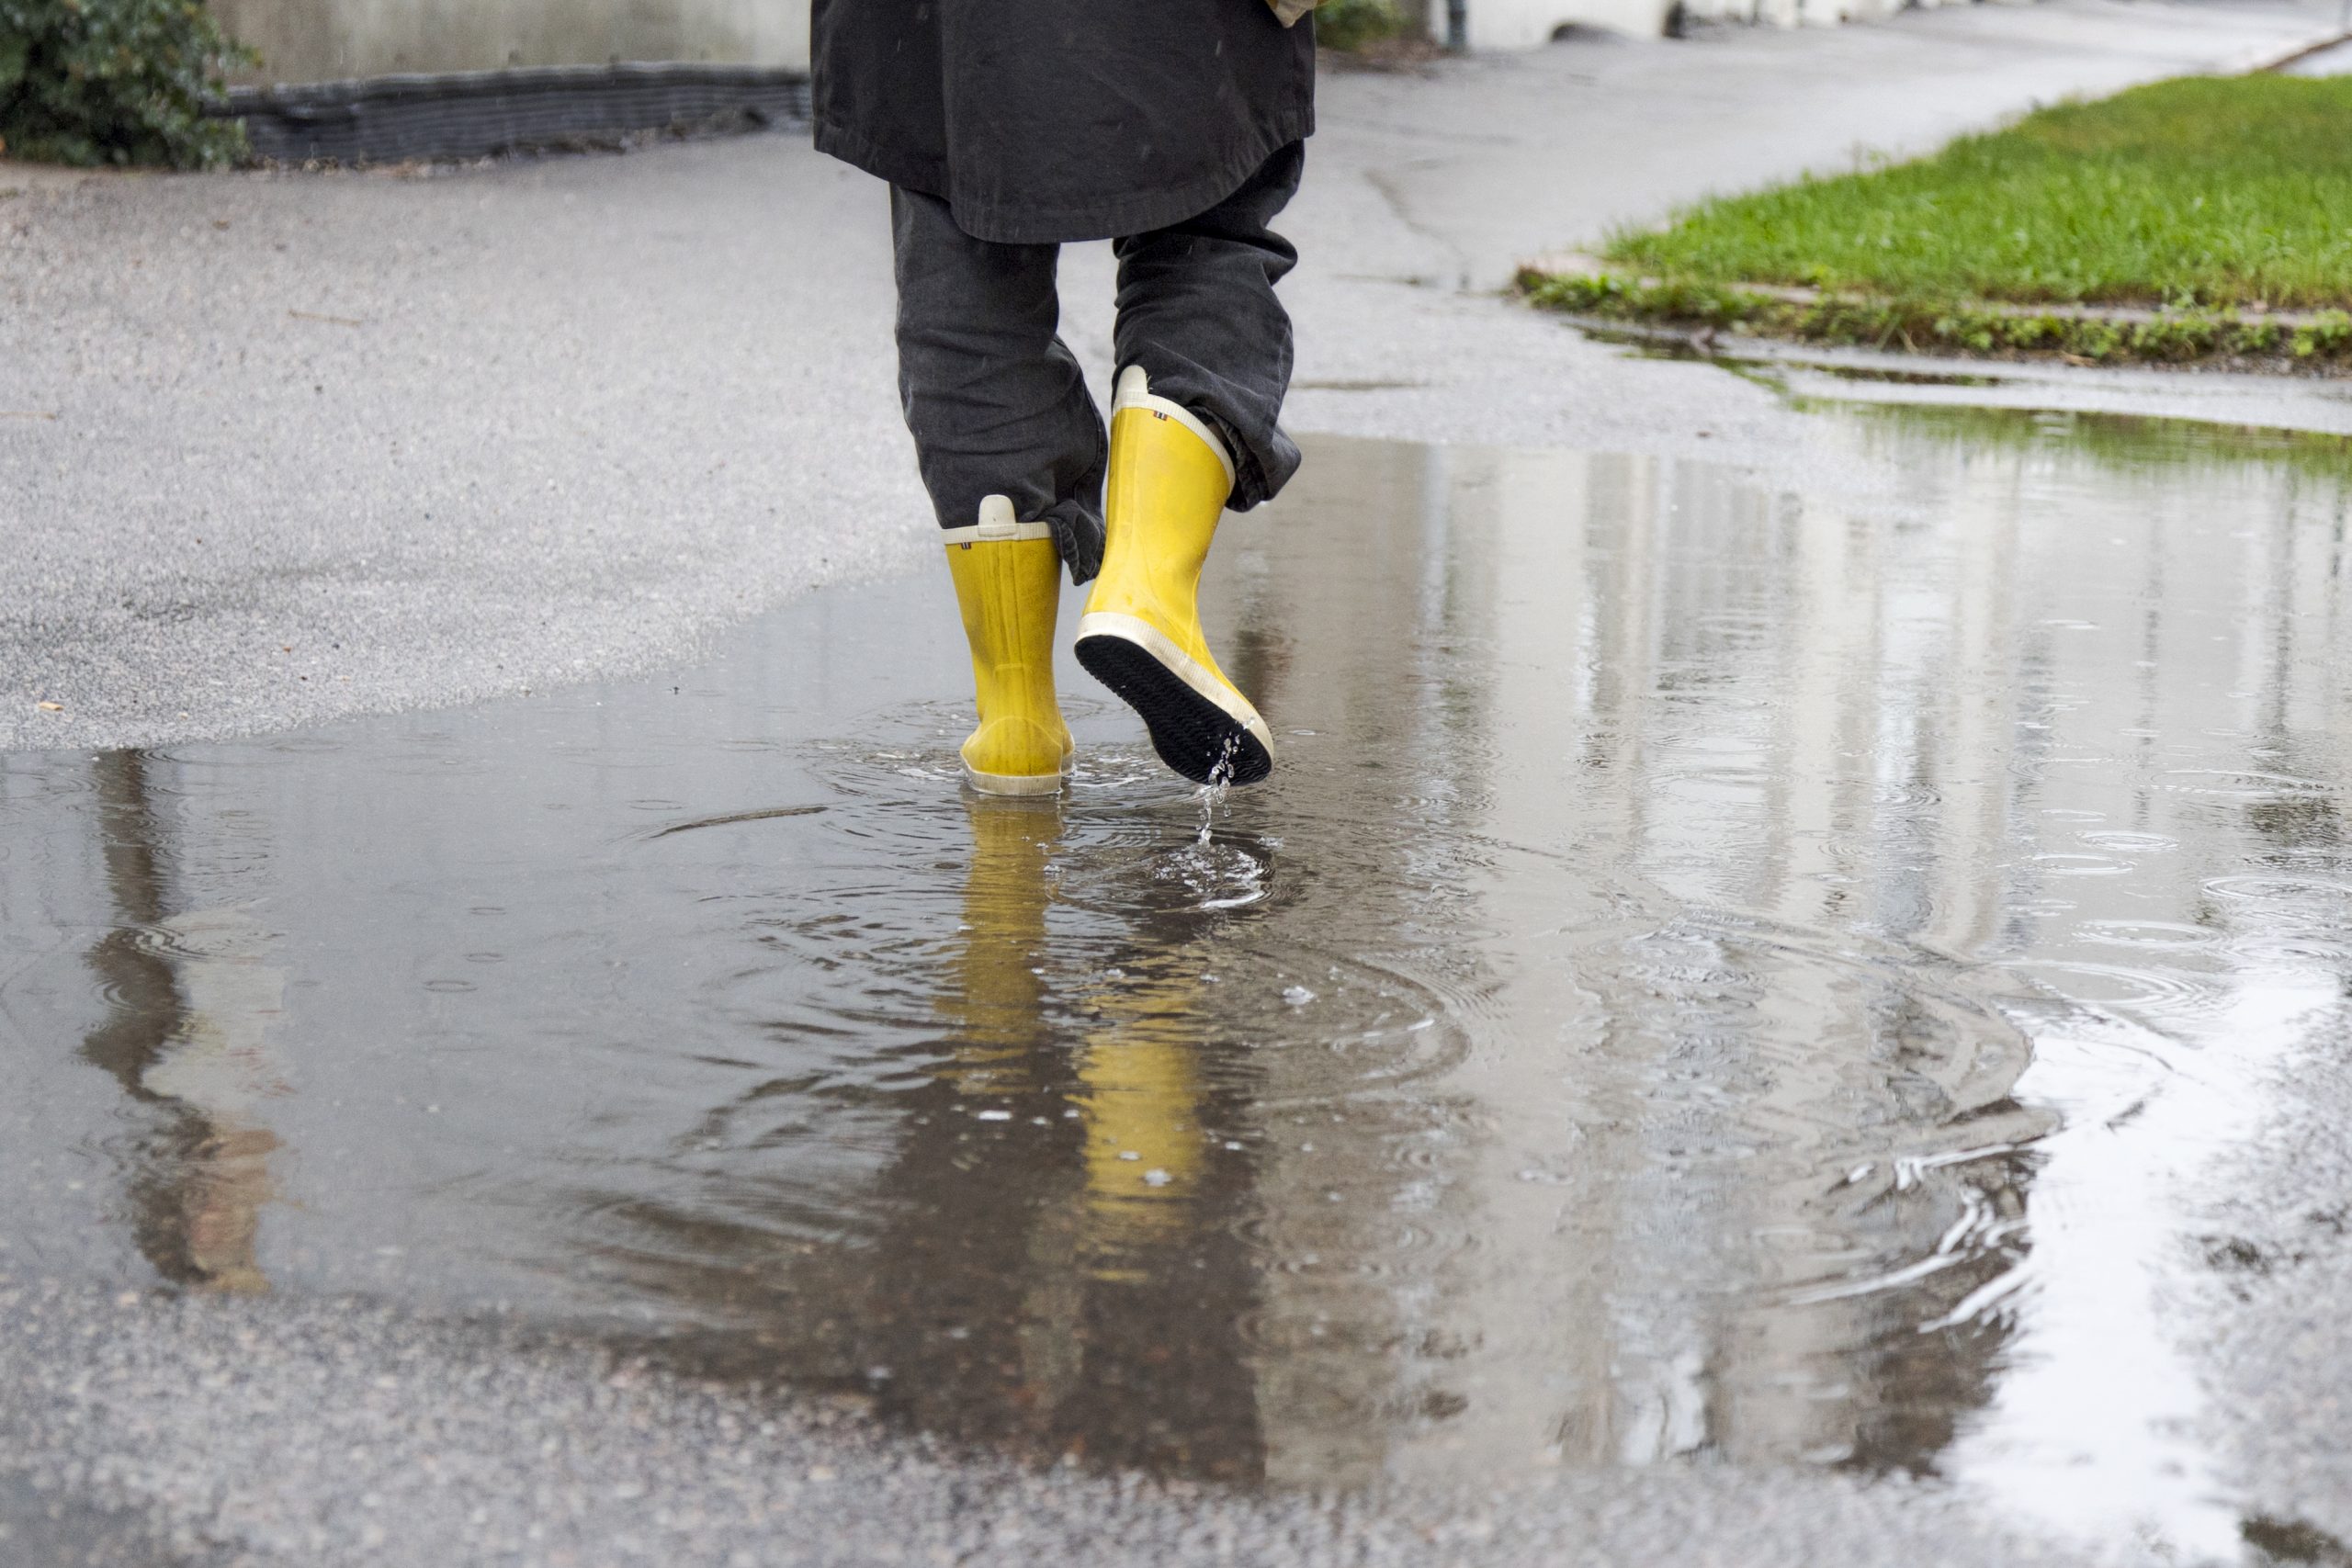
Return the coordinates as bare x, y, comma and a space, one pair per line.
860, 150
1008, 224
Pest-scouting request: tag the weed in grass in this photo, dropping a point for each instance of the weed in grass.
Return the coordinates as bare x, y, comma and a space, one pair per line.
2026, 334
2329, 336
1966, 331
2176, 337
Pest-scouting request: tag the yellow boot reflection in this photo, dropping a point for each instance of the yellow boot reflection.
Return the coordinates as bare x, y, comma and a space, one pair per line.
1137, 1083
991, 1223
1140, 1090
997, 991
1060, 1267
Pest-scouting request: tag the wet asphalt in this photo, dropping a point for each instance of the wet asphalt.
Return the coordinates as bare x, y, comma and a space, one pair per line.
358, 455
309, 1433
366, 443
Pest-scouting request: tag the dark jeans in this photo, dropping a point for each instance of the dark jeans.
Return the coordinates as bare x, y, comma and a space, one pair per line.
997, 403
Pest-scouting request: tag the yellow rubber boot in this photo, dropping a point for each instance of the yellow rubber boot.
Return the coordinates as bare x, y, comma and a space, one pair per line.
1141, 633
1009, 582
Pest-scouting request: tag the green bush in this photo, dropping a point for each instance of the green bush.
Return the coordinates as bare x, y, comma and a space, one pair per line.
94, 81
1352, 24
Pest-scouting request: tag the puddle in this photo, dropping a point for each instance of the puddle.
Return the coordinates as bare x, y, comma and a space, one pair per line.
1776, 371
1355, 384
1887, 376
1719, 975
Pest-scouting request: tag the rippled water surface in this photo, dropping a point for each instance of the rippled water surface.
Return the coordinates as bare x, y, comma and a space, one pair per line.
1720, 974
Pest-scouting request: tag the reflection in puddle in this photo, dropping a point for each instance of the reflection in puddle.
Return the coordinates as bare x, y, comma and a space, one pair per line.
1720, 974
187, 1037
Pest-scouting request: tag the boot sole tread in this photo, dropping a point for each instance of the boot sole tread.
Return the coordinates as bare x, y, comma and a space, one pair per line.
1190, 732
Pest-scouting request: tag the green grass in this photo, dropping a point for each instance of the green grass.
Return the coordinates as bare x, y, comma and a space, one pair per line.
2209, 191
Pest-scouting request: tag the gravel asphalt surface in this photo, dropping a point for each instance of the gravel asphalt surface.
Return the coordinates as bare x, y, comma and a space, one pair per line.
293, 1433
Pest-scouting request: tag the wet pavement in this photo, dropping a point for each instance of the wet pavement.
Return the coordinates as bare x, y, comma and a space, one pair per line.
1723, 975
276, 449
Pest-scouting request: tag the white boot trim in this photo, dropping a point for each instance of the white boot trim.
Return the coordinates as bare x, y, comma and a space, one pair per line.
1016, 783
1135, 392
1152, 640
982, 533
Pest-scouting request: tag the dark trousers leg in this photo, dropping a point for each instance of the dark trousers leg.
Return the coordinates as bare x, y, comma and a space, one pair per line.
1197, 311
996, 402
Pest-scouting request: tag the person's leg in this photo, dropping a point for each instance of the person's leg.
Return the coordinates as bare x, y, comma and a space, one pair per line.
1012, 453
995, 401
1197, 311
1205, 357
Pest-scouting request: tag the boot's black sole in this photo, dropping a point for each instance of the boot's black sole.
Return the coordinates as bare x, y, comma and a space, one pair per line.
1191, 733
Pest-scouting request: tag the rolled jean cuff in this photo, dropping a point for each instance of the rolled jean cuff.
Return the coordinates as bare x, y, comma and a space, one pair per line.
1253, 484
1077, 535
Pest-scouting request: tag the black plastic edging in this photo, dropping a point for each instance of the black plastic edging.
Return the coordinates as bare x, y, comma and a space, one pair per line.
473, 114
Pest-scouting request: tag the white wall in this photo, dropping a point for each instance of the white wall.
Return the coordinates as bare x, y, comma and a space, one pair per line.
1527, 24
313, 40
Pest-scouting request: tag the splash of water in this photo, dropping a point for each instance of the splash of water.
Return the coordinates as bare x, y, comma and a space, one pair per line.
1212, 794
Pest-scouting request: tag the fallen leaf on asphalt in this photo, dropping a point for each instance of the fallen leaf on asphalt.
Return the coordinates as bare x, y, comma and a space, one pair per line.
53, 707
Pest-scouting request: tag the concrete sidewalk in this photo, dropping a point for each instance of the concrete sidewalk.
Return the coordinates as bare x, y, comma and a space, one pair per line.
1500, 159
281, 447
